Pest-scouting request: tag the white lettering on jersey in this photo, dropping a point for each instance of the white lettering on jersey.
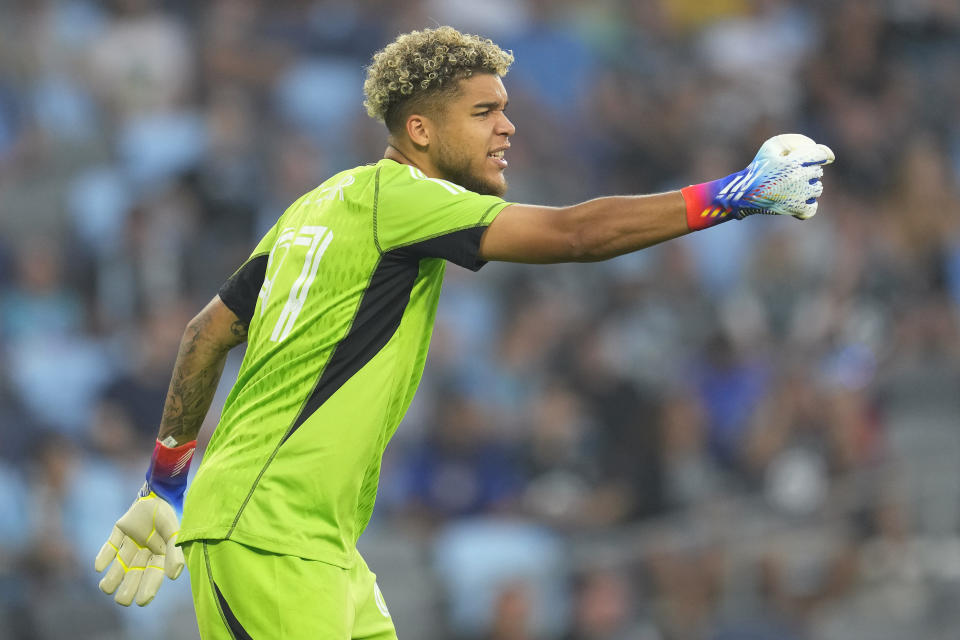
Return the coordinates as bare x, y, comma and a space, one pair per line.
446, 184
334, 191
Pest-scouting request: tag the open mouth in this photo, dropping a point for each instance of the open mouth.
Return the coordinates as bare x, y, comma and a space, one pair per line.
498, 159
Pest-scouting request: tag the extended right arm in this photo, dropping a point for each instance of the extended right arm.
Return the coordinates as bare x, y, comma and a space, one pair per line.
784, 178
588, 232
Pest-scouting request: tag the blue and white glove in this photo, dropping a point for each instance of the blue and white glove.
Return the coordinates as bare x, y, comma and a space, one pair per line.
783, 179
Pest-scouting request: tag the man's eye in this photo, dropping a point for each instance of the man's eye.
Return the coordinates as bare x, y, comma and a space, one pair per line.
482, 114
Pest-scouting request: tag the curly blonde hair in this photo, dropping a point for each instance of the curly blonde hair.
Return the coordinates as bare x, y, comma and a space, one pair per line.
423, 64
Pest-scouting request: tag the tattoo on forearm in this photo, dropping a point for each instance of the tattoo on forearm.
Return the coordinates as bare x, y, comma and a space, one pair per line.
239, 330
196, 375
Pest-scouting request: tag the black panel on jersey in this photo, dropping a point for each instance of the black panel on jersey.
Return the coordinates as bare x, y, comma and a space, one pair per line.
376, 320
240, 292
459, 247
382, 306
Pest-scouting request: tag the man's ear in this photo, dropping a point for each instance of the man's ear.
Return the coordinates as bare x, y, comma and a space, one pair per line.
418, 129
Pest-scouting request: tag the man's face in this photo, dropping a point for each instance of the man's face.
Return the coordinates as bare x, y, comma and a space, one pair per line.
473, 134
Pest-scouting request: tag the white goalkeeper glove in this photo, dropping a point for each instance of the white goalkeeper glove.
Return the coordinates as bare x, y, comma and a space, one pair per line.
143, 547
783, 179
143, 544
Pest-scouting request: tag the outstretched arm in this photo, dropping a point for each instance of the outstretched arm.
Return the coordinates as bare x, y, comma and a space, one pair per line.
784, 179
594, 230
203, 351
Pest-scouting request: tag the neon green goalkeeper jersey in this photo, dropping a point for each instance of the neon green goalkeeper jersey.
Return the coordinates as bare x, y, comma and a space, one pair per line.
340, 296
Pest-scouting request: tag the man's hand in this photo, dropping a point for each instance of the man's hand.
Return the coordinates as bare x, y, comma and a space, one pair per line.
783, 179
142, 546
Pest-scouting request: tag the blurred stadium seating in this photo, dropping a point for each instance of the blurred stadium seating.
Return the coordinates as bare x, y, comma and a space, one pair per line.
749, 433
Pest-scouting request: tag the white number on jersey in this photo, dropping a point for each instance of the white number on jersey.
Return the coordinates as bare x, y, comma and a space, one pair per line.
316, 239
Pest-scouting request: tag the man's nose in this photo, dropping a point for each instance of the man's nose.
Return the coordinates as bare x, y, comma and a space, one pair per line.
505, 127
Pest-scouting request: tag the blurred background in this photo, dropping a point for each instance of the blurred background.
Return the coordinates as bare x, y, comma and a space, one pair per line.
749, 433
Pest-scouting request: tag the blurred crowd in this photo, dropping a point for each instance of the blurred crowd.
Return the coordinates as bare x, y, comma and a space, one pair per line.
749, 433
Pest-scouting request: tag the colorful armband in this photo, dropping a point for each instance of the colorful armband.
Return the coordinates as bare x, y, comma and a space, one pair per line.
711, 203
169, 467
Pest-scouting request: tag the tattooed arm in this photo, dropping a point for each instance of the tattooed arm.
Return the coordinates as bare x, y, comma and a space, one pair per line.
151, 522
203, 352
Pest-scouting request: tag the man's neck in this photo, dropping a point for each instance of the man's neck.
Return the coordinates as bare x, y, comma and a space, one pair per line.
394, 153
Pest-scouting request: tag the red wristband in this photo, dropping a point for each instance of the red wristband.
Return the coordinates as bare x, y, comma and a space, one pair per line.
702, 211
169, 466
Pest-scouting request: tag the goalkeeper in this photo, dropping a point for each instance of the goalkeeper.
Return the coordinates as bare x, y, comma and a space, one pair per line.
336, 304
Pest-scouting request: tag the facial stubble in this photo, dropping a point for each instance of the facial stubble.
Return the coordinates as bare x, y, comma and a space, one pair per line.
456, 167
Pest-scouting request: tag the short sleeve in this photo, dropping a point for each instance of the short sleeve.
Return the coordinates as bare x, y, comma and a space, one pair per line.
240, 292
431, 218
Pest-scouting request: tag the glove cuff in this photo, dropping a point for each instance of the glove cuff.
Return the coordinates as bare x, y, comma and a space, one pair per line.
703, 209
169, 467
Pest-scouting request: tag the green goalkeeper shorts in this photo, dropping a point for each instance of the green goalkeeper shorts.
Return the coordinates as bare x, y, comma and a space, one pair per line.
240, 593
